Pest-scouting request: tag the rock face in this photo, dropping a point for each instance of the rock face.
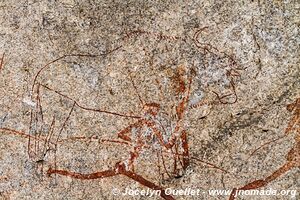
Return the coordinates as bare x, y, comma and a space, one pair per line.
103, 97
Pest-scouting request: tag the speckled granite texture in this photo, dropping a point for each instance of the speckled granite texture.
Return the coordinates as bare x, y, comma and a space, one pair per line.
180, 93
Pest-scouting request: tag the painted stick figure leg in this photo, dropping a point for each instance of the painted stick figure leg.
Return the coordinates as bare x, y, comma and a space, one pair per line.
185, 146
